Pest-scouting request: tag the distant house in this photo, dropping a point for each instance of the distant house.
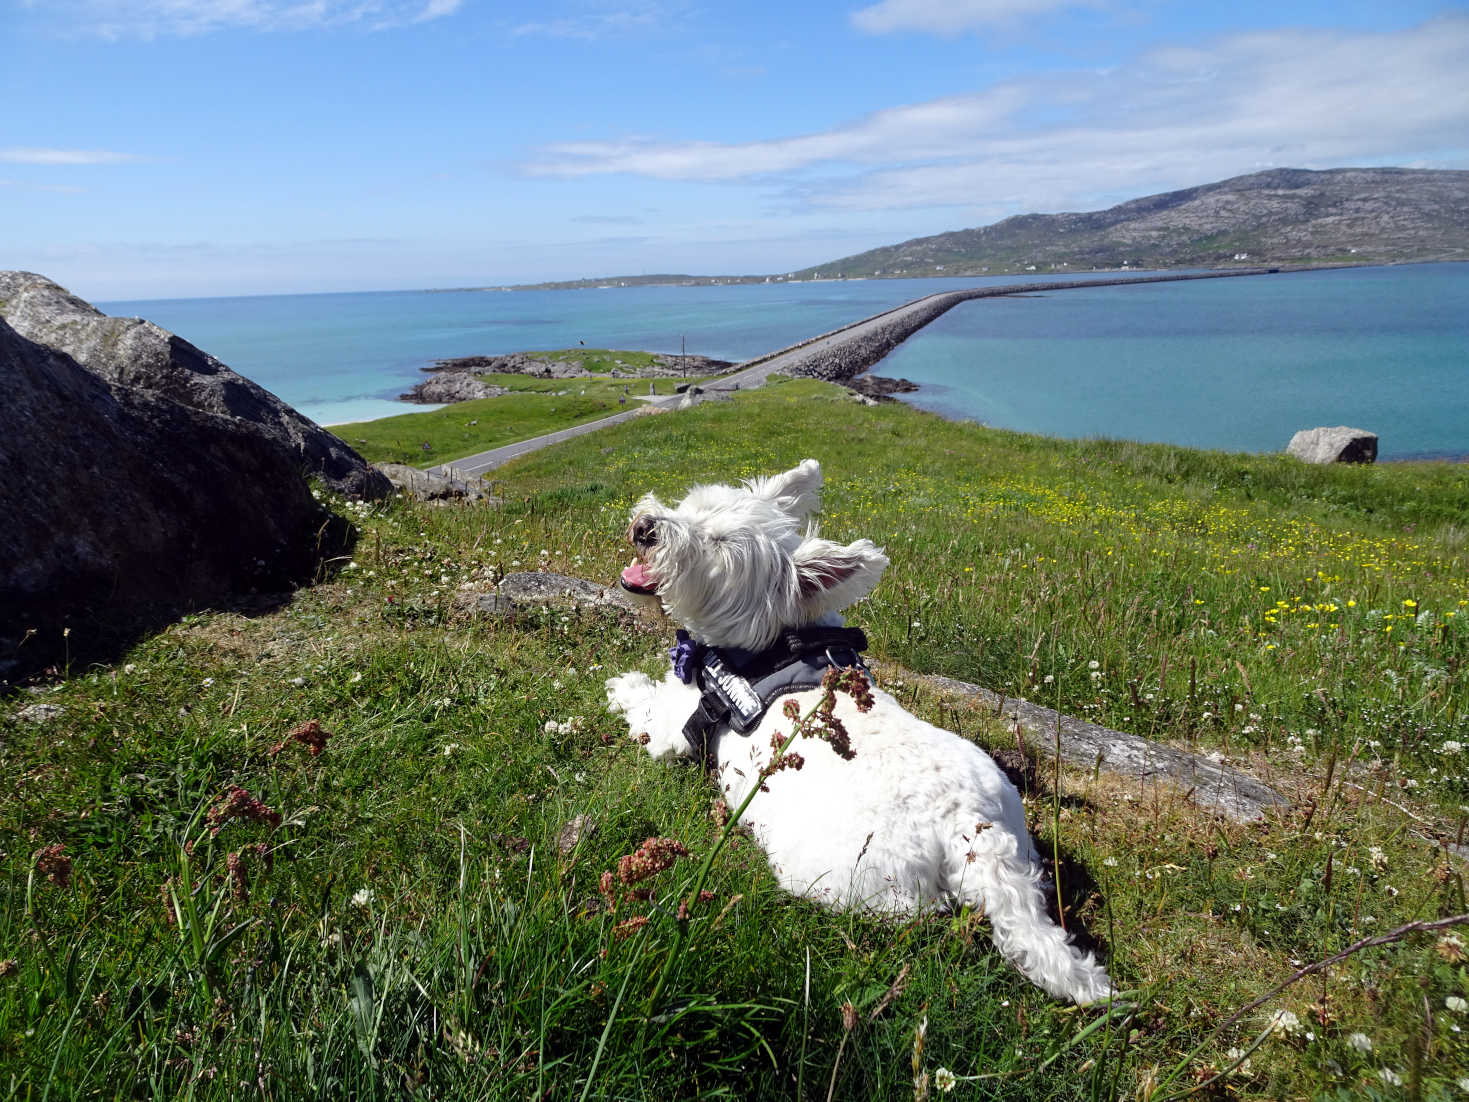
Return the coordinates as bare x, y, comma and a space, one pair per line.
1242, 256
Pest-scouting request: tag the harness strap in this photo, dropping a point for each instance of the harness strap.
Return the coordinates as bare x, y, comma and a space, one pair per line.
738, 687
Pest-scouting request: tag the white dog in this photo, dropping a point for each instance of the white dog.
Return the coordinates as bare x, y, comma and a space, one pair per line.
918, 819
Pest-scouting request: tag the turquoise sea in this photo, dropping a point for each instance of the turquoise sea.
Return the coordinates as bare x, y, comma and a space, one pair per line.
1237, 364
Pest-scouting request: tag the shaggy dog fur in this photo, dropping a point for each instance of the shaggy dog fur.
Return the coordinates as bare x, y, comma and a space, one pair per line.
920, 819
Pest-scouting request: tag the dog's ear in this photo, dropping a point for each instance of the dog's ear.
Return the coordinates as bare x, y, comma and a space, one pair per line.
797, 492
831, 577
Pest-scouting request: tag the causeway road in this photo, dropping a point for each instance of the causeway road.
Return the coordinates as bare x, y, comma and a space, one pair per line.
835, 356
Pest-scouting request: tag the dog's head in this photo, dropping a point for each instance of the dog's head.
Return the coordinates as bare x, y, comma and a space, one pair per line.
736, 565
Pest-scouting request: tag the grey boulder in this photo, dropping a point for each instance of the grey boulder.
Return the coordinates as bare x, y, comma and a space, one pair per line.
1338, 444
123, 508
138, 354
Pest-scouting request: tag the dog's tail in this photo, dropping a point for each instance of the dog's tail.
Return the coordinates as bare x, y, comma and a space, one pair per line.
1008, 887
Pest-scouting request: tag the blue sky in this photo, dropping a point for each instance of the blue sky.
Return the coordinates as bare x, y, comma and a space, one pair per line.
172, 148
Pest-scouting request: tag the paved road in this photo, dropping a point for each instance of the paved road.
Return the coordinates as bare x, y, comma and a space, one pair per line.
840, 354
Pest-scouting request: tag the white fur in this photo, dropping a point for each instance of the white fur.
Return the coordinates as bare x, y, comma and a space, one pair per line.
919, 819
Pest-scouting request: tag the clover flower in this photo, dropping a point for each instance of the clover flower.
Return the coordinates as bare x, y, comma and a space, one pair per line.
1284, 1023
1359, 1042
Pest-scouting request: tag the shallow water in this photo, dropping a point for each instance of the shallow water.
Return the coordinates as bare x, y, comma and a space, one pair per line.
1237, 364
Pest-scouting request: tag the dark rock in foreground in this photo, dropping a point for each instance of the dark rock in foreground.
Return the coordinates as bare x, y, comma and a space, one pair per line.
1339, 444
142, 356
123, 508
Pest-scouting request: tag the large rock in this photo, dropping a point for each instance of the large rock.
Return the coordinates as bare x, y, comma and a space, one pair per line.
1334, 445
441, 484
122, 508
139, 354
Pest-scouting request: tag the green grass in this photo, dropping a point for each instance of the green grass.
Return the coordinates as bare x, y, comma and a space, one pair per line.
601, 361
418, 931
538, 406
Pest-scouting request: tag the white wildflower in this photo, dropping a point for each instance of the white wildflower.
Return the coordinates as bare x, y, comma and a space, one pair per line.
1093, 665
1110, 862
1283, 1023
1451, 747
945, 1080
363, 897
1456, 1004
1378, 858
1389, 1077
1359, 1042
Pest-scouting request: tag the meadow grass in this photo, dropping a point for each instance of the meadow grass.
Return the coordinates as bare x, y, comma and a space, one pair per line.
428, 915
535, 406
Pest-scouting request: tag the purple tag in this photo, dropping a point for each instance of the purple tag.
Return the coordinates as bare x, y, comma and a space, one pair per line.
684, 656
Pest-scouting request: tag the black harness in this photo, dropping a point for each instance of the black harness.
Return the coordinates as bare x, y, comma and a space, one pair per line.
737, 686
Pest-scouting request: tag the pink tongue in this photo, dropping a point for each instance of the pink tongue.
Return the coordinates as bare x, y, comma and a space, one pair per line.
635, 576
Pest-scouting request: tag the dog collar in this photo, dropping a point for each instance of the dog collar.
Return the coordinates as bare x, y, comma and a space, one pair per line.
737, 687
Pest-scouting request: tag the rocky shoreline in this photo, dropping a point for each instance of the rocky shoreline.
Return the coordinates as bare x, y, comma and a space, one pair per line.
456, 380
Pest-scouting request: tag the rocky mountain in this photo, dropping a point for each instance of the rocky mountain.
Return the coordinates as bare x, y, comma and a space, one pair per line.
1279, 217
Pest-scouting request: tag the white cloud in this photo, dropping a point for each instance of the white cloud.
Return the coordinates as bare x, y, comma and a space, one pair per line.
599, 21
919, 130
26, 156
118, 19
953, 16
1173, 117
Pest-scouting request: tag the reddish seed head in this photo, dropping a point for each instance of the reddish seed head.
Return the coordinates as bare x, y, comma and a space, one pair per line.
53, 863
310, 734
630, 927
237, 803
651, 858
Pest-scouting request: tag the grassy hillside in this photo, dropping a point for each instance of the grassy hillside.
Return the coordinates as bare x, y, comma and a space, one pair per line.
1280, 216
425, 916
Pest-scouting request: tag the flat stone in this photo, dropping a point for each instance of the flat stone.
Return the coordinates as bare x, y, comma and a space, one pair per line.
1210, 784
545, 589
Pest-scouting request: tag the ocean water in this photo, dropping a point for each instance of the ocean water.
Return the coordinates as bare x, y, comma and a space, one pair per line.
1233, 364
346, 357
1236, 364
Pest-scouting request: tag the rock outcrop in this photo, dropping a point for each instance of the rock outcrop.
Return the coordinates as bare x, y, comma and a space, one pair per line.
451, 386
144, 357
1338, 444
440, 484
123, 507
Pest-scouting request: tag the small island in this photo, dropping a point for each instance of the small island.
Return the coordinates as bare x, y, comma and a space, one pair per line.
465, 378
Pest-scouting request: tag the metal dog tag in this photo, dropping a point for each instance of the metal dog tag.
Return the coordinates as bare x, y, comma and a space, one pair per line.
744, 706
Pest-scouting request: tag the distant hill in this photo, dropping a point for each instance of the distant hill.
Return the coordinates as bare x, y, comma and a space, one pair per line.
1282, 216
